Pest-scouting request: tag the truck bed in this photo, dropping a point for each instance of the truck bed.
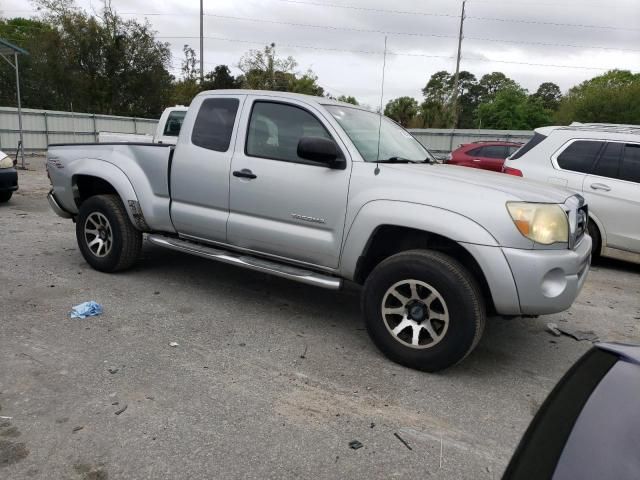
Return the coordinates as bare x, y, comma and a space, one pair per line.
123, 165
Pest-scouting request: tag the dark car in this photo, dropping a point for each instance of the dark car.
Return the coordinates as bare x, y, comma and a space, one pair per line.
8, 177
589, 425
484, 155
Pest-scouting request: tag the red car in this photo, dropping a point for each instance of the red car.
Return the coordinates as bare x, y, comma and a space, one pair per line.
484, 155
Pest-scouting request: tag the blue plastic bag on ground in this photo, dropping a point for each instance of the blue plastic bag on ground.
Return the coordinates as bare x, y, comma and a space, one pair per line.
86, 309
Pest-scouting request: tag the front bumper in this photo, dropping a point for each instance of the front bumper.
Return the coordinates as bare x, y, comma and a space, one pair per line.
8, 180
548, 281
55, 206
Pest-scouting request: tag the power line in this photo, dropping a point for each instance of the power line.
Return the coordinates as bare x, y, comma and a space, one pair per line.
416, 34
580, 67
399, 54
370, 9
429, 14
311, 47
555, 24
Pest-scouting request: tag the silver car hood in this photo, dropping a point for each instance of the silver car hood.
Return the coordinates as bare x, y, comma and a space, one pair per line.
455, 178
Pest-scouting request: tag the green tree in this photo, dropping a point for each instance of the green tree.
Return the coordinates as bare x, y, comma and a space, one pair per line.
306, 83
491, 83
512, 109
613, 97
402, 110
549, 94
220, 78
92, 63
263, 70
348, 99
435, 111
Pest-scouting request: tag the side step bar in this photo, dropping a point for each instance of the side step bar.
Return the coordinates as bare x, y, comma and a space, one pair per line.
253, 263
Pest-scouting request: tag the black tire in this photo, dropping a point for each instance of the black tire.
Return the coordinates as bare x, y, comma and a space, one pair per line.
126, 240
458, 289
594, 233
5, 196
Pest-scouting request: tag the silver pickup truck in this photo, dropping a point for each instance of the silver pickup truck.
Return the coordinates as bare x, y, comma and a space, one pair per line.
323, 192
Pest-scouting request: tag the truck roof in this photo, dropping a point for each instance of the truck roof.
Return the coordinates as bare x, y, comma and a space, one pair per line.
272, 93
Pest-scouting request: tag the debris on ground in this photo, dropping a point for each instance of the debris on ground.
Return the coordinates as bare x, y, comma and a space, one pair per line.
121, 410
579, 335
77, 429
304, 354
86, 309
404, 442
372, 425
113, 370
553, 329
174, 344
355, 444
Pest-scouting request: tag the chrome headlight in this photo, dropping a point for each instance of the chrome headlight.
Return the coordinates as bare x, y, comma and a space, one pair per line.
541, 222
6, 162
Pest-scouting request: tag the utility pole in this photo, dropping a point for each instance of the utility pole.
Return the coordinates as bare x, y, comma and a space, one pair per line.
201, 44
456, 80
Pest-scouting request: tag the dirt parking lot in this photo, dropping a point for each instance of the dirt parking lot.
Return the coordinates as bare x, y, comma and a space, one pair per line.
270, 379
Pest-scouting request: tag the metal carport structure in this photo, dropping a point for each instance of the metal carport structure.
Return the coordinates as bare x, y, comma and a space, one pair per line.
8, 50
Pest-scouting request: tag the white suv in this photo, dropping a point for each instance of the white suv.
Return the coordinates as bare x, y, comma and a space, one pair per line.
600, 161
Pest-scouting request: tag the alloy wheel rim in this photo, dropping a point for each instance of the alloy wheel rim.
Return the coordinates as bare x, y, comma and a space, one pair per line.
98, 234
415, 314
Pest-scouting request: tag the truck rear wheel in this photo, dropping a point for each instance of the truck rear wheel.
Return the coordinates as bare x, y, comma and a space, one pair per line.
423, 309
5, 196
106, 237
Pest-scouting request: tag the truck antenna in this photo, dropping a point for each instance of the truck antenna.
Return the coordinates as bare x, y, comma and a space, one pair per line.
384, 65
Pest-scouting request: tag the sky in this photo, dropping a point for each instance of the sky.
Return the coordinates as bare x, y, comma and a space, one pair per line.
563, 41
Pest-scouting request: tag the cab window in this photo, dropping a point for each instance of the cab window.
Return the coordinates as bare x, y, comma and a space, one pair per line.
276, 128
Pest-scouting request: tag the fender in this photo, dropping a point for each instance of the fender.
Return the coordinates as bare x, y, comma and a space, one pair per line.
412, 215
117, 179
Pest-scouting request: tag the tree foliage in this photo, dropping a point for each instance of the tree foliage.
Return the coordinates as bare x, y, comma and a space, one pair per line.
512, 109
613, 97
348, 99
101, 64
549, 94
402, 110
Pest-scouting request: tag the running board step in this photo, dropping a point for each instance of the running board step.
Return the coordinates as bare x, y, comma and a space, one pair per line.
253, 263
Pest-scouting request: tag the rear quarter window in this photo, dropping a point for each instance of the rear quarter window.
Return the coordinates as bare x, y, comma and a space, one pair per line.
214, 124
580, 156
531, 144
630, 168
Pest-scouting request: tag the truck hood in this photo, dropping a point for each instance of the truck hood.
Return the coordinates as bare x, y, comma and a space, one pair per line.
455, 178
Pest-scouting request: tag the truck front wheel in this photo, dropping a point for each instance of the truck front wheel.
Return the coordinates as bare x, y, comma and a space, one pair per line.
423, 309
106, 237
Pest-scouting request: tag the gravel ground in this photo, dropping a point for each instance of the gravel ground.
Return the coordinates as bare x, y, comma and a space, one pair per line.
271, 379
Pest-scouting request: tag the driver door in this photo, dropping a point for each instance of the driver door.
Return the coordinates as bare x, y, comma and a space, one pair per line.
280, 204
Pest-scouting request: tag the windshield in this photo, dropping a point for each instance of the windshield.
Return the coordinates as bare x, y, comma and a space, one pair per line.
395, 142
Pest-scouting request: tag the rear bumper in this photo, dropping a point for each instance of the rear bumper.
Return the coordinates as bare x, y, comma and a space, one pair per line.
55, 206
8, 180
549, 281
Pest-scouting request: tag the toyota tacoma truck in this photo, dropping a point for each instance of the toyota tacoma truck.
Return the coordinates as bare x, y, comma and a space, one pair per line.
323, 192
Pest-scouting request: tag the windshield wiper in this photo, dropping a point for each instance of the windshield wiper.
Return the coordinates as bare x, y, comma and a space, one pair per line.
399, 160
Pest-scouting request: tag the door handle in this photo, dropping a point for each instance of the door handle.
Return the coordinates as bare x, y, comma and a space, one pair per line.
600, 186
244, 173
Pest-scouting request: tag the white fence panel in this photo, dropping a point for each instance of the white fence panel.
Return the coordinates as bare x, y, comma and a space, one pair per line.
44, 127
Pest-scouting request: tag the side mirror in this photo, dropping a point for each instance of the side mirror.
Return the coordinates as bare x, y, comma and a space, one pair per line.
322, 150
